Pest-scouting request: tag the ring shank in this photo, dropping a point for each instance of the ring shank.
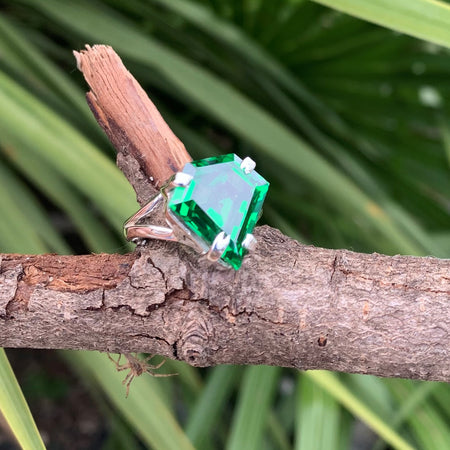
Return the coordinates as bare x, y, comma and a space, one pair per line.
134, 230
149, 232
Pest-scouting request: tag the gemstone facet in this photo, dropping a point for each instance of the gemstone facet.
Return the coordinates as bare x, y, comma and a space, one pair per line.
221, 197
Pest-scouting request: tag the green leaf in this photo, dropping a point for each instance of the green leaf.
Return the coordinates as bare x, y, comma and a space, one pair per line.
189, 376
64, 149
410, 404
17, 233
318, 417
45, 77
331, 384
233, 109
35, 216
232, 36
277, 431
424, 19
372, 391
144, 408
445, 130
251, 414
15, 409
208, 410
97, 237
428, 426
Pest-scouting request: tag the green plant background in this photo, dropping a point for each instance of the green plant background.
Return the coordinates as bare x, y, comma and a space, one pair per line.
347, 119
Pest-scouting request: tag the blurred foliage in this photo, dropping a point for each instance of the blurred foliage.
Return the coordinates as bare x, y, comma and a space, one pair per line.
349, 122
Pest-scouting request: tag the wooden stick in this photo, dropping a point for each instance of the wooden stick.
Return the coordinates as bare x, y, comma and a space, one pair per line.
289, 305
148, 151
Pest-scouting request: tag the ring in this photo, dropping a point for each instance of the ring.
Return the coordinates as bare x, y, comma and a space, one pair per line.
212, 205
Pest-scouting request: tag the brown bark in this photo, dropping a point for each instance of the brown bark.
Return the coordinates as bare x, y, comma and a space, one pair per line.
289, 305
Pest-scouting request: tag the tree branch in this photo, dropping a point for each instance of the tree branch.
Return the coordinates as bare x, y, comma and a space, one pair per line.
289, 305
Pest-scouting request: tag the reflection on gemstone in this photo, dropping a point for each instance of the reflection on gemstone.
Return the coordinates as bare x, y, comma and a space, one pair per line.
220, 197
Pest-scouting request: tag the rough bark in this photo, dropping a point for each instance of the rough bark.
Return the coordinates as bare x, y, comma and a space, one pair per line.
289, 305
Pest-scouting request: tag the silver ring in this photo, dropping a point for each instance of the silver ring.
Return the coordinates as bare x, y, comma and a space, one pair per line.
211, 206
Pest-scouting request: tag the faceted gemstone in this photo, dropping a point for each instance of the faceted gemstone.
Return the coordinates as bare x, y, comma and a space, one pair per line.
220, 197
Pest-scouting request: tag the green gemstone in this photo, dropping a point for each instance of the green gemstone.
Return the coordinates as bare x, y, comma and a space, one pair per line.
220, 197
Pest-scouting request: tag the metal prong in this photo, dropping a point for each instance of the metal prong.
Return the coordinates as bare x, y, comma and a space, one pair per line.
144, 212
182, 179
249, 242
247, 165
218, 246
139, 241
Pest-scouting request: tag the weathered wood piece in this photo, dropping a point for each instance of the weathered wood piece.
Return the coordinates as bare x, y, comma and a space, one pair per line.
289, 305
148, 152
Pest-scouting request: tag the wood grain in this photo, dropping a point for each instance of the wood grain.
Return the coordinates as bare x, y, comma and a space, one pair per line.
144, 141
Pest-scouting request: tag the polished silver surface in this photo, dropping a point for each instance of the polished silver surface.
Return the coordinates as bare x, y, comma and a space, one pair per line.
139, 227
137, 231
247, 165
249, 242
218, 246
182, 179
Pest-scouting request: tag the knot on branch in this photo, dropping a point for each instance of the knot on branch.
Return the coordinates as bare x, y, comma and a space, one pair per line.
194, 343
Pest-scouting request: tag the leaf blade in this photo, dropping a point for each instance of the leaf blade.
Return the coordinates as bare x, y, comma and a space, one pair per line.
424, 19
159, 430
15, 408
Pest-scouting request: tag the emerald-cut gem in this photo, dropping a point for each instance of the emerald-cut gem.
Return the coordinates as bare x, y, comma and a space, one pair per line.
220, 197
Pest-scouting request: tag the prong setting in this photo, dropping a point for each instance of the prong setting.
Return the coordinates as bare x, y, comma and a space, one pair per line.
247, 165
201, 203
249, 242
182, 179
143, 213
218, 246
